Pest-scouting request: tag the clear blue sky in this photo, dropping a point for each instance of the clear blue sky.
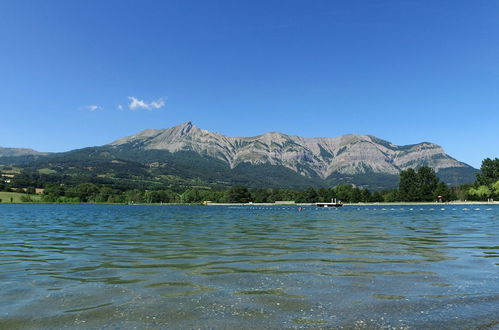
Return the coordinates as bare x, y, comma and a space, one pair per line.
82, 73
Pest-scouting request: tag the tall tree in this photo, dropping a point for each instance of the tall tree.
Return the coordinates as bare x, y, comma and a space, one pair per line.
427, 182
489, 172
239, 194
495, 187
408, 185
418, 186
344, 192
310, 195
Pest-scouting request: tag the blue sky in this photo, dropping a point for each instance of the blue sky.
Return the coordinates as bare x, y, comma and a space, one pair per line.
82, 73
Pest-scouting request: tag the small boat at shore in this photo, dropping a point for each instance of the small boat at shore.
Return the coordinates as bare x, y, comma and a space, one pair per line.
329, 204
333, 203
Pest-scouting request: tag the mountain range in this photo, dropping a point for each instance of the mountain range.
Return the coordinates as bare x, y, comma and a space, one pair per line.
19, 152
188, 154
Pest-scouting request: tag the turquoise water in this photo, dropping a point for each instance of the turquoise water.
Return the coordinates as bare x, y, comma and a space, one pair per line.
112, 266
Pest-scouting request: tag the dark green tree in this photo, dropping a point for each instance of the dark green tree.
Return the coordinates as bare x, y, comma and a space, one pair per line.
408, 186
377, 197
365, 196
427, 184
54, 189
104, 194
30, 190
344, 192
26, 198
134, 196
85, 192
443, 190
323, 195
390, 196
310, 195
239, 194
418, 186
489, 172
356, 195
275, 195
192, 196
164, 196
260, 196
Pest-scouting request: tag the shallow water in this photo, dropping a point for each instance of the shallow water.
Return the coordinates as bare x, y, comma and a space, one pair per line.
102, 266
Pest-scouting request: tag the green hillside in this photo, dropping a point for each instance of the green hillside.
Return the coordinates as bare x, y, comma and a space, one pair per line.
127, 167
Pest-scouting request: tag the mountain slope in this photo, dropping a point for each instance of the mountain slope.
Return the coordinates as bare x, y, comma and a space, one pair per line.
349, 155
19, 155
16, 152
186, 155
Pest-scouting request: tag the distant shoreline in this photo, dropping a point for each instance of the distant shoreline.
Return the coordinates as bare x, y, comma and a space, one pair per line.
360, 204
260, 204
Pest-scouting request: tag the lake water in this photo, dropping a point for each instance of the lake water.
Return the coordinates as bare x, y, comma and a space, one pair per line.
112, 266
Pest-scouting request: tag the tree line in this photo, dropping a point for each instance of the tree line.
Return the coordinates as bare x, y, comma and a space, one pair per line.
415, 185
92, 193
486, 185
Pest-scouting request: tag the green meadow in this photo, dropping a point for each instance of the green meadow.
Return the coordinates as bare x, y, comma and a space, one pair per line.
16, 197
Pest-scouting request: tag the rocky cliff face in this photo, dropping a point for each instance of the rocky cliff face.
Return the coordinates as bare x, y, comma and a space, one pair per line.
349, 154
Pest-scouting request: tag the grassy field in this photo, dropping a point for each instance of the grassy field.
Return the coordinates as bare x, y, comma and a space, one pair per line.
16, 197
9, 170
46, 171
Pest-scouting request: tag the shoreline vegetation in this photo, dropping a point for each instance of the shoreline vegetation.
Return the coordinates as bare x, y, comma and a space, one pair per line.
288, 204
419, 185
359, 204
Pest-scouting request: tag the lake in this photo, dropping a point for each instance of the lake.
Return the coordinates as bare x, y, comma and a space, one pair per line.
121, 266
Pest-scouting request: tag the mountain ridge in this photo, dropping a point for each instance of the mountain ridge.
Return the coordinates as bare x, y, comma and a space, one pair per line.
324, 156
15, 152
188, 155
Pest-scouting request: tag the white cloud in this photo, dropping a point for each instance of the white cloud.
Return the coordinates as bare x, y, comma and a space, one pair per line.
119, 107
136, 104
93, 107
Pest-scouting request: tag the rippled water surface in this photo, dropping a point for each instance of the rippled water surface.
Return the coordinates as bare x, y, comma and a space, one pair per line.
100, 266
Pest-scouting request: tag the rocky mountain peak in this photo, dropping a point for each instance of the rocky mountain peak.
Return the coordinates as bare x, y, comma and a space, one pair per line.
348, 154
185, 128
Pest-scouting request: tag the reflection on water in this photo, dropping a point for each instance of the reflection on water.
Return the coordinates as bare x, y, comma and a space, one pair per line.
83, 266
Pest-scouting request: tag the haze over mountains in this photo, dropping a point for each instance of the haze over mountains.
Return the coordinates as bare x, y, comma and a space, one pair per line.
276, 158
15, 152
